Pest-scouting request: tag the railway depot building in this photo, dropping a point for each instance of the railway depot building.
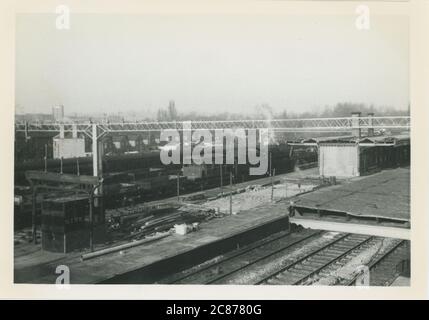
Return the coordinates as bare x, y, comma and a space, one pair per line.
352, 156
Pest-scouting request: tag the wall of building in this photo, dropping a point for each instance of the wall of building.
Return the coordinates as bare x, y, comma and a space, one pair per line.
380, 157
373, 159
350, 160
340, 160
58, 113
65, 224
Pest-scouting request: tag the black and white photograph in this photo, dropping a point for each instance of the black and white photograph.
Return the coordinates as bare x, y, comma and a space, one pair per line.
265, 148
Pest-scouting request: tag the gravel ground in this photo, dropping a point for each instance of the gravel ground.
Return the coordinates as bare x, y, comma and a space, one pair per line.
256, 196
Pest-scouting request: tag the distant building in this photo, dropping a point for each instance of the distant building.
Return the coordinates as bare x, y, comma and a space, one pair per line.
352, 157
58, 112
34, 117
113, 118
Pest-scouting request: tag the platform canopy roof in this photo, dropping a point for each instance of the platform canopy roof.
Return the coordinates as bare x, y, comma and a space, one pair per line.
384, 195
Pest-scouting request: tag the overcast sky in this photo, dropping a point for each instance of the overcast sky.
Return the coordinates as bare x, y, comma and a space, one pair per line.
212, 63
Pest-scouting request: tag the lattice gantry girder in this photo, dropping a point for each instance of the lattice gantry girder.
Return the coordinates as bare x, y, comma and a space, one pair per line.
293, 125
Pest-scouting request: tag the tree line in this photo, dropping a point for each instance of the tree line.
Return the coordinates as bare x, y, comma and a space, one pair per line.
264, 111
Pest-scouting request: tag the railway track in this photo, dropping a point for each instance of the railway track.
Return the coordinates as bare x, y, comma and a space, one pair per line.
322, 254
318, 256
232, 262
319, 260
386, 266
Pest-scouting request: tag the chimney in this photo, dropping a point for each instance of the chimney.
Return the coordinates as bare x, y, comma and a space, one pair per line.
356, 124
370, 124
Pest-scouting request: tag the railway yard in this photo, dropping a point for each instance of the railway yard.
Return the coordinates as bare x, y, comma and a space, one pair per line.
208, 224
294, 255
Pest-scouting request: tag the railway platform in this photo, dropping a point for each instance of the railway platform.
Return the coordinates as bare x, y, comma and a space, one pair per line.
132, 265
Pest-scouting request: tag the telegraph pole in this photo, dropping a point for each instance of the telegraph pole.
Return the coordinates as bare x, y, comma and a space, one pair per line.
221, 179
46, 158
178, 187
33, 212
230, 193
97, 162
272, 184
285, 189
91, 222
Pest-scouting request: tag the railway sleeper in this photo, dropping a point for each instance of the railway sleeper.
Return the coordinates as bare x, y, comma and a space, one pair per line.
343, 246
332, 255
320, 262
308, 267
301, 272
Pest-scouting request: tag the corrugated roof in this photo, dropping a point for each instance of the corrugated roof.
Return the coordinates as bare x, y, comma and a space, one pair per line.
390, 139
395, 139
324, 139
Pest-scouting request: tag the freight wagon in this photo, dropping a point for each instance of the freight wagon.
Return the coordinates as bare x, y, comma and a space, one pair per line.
137, 178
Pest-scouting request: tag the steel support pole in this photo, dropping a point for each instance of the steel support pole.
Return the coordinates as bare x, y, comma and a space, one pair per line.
285, 189
61, 131
46, 158
178, 187
94, 151
97, 156
91, 222
33, 214
272, 184
230, 193
221, 179
355, 123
